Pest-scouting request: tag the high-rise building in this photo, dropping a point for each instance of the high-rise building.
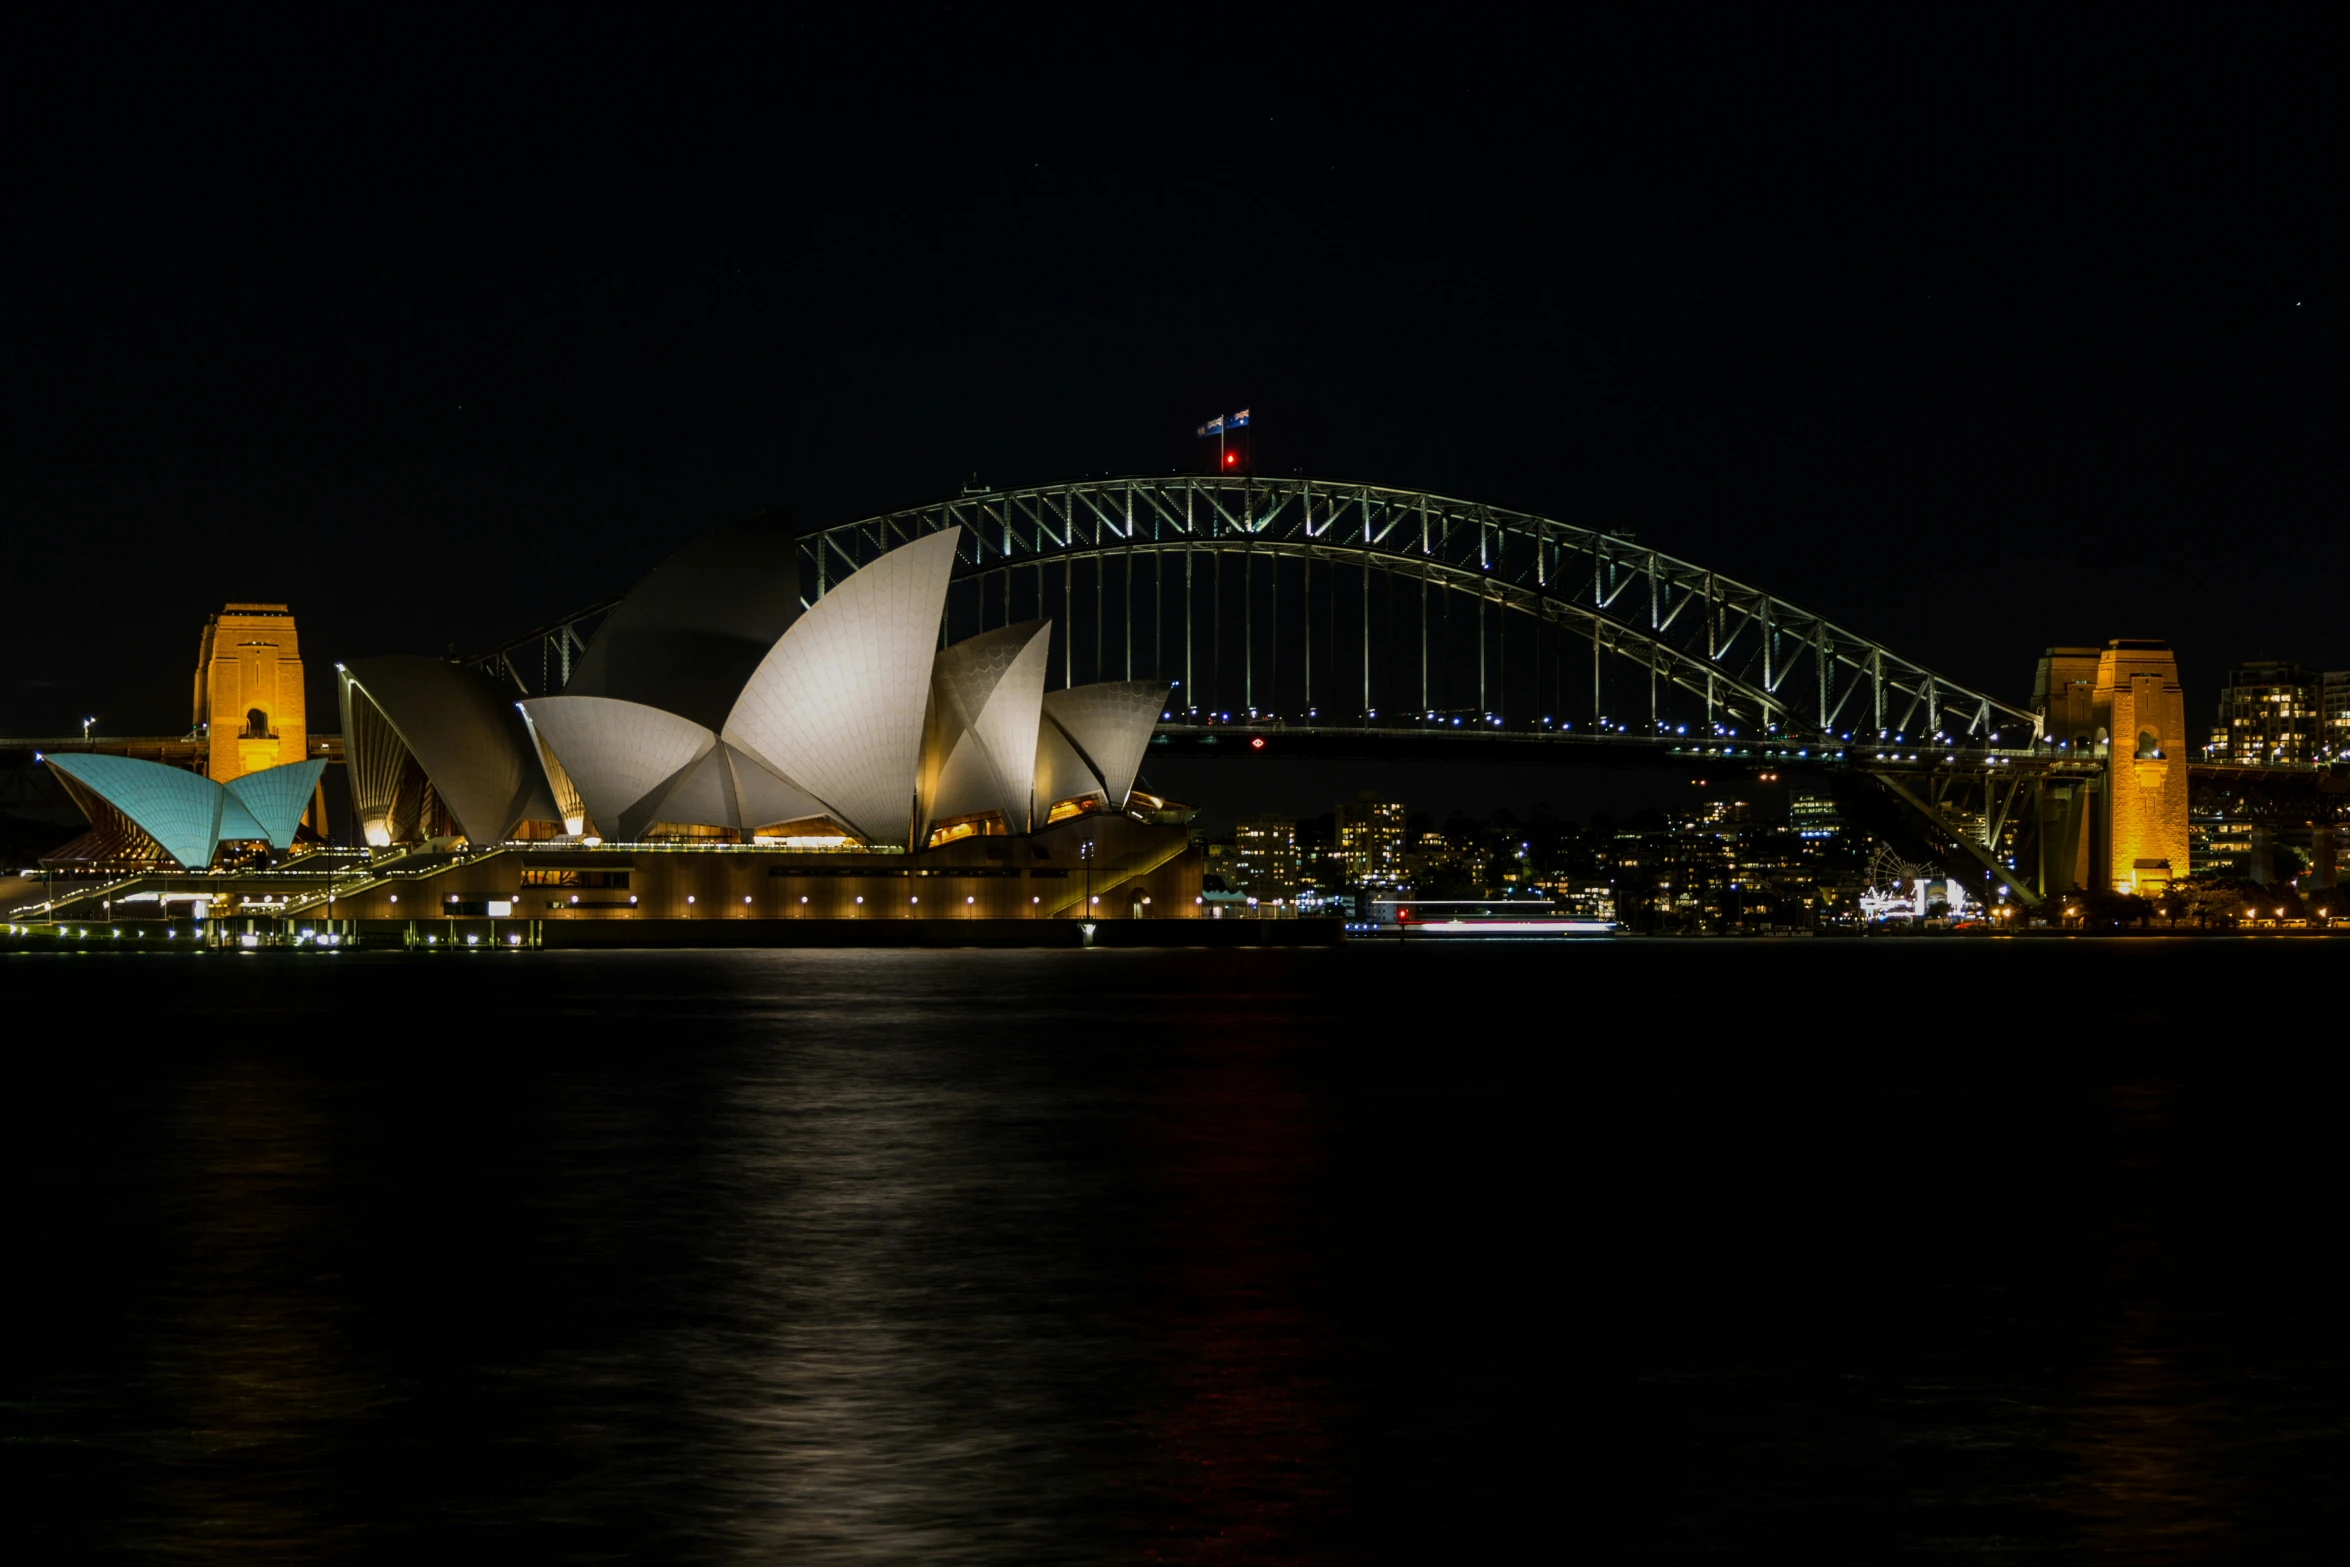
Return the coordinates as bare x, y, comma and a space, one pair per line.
1370, 841
1265, 857
1812, 813
2219, 845
249, 704
2333, 711
2269, 711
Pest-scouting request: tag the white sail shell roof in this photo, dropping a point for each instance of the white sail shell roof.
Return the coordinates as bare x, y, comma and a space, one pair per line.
763, 799
700, 795
637, 766
687, 637
1061, 774
1109, 726
838, 703
465, 736
617, 754
725, 788
986, 701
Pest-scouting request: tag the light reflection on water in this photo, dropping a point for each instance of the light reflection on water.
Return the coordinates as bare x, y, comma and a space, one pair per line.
2146, 1427
1180, 1256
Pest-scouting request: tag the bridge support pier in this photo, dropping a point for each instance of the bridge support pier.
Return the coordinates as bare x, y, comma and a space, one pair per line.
2068, 825
2123, 704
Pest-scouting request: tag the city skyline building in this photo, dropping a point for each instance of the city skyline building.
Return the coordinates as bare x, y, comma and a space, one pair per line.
2270, 711
1813, 814
1265, 857
1428, 855
1371, 840
2333, 711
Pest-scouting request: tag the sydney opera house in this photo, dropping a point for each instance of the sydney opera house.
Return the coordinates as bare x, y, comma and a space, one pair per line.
723, 750
711, 707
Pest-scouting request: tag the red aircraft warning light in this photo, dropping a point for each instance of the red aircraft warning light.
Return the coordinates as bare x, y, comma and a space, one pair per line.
1258, 744
1232, 459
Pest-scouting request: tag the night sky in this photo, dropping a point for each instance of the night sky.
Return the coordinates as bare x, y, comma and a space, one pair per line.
1972, 344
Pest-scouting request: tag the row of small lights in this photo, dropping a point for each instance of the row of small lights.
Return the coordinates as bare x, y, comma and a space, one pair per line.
332, 939
689, 898
1663, 727
329, 939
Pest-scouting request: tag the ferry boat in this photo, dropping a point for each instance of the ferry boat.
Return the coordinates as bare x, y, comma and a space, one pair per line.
1490, 918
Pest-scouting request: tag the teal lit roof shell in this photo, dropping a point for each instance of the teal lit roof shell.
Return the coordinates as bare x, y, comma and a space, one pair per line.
189, 815
275, 799
180, 810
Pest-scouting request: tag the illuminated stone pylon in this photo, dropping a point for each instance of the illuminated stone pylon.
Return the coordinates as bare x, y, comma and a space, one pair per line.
249, 697
2143, 708
2126, 830
249, 700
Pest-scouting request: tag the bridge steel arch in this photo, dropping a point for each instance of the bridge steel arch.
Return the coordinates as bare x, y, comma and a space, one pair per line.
1710, 649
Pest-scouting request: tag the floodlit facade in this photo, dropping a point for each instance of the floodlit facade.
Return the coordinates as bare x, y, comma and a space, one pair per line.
980, 738
1104, 729
249, 701
2064, 694
435, 750
146, 811
2144, 708
713, 707
837, 704
639, 770
687, 638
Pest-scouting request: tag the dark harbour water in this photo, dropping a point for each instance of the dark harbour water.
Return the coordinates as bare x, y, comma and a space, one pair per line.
1621, 1251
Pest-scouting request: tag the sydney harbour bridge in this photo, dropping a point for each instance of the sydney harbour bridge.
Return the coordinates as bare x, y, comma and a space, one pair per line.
1315, 617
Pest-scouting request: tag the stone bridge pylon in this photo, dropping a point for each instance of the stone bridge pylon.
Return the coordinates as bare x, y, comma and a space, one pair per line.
2123, 828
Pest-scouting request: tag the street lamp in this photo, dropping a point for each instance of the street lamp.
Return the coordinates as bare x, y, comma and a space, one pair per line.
1085, 856
86, 723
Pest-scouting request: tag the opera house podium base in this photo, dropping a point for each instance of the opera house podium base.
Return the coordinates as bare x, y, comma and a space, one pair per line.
1099, 866
1133, 882
944, 933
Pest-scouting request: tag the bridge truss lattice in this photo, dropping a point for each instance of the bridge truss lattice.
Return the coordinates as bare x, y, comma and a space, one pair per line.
1310, 601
